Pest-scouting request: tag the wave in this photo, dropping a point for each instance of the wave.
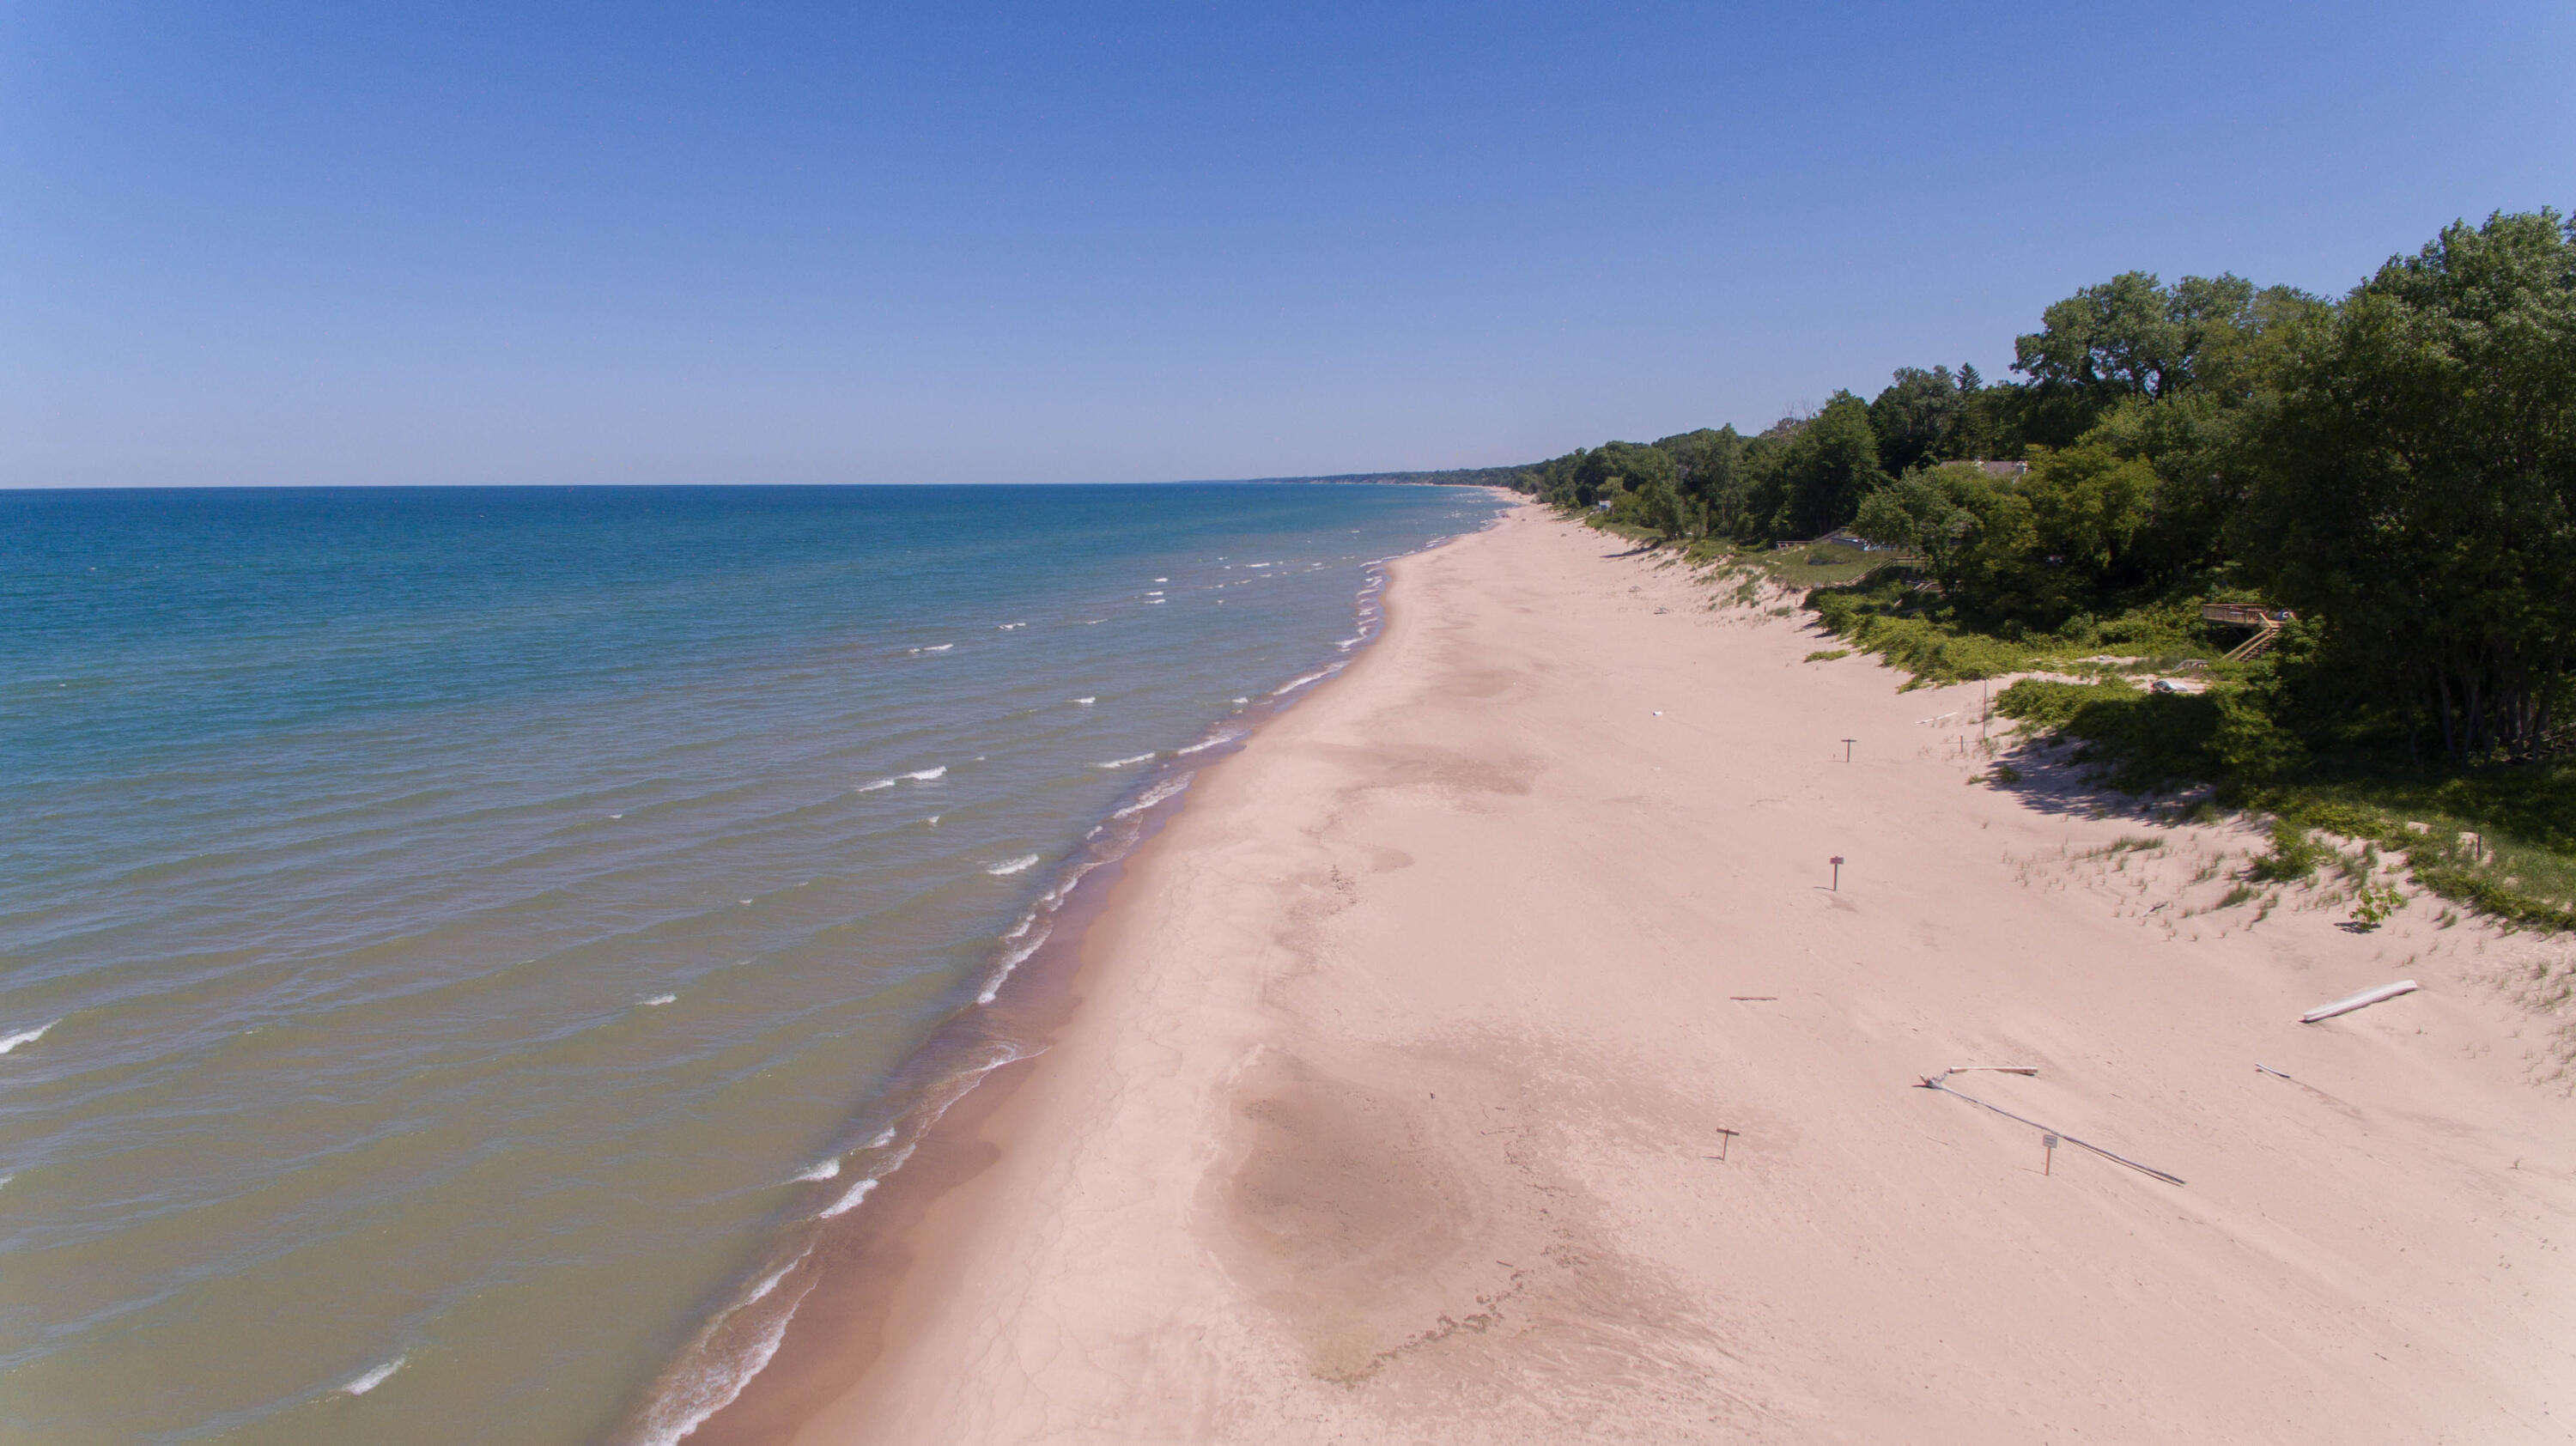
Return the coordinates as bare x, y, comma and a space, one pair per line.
850, 1199
1011, 962
1011, 866
824, 1171
1296, 683
1126, 762
1217, 741
372, 1379
1151, 601
1161, 790
929, 775
933, 648
684, 1405
873, 787
1006, 627
27, 1036
1086, 702
660, 999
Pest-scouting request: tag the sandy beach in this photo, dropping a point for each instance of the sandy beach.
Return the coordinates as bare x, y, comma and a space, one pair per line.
1485, 1054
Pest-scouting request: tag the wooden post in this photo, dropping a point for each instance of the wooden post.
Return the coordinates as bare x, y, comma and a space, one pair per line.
1838, 873
2049, 1144
1847, 743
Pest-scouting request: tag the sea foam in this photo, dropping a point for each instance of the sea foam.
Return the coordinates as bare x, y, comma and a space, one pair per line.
372, 1379
27, 1036
1011, 866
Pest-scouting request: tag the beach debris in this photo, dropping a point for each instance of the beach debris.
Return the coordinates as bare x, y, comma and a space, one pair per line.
2363, 1000
2274, 1073
1939, 1082
1754, 998
1725, 1137
2031, 1070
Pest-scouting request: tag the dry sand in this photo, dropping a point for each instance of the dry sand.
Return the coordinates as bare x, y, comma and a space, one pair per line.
1393, 1106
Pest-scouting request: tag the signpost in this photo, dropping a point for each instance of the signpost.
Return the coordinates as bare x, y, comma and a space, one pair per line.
1838, 873
2048, 1143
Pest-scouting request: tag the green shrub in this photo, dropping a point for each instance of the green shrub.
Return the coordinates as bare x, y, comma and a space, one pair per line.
2292, 856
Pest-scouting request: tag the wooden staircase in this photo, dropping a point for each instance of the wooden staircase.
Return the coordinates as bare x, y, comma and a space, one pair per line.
2266, 623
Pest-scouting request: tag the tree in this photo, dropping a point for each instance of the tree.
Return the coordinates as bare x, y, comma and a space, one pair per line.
1914, 414
1714, 478
1827, 467
2130, 336
2418, 487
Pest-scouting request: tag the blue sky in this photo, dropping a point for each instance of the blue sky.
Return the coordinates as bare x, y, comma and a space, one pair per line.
373, 243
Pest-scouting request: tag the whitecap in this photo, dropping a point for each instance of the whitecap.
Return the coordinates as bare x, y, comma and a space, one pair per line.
1154, 601
928, 775
1158, 592
849, 1201
884, 1138
1011, 866
859, 1191
746, 903
1154, 795
372, 1379
932, 821
1295, 684
661, 999
1085, 702
873, 787
1218, 741
1010, 962
933, 648
1006, 627
824, 1171
1239, 702
1125, 762
27, 1036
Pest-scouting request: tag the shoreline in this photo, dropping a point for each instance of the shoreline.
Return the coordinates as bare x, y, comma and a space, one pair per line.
843, 1278
1483, 1056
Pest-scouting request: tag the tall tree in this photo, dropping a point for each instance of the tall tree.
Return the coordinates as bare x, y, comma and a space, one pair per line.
2418, 491
1827, 468
1915, 413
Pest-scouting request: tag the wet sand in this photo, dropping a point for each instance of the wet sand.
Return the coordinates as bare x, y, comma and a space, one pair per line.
1482, 1055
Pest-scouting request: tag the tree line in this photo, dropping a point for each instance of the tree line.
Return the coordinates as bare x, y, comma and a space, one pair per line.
2397, 466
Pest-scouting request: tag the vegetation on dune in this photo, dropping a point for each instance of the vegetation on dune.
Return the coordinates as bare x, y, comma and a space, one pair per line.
2396, 468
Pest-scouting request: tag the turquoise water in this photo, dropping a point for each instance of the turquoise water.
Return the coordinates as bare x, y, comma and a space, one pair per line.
455, 943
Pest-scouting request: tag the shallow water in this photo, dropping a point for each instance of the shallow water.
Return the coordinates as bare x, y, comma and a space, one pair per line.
450, 938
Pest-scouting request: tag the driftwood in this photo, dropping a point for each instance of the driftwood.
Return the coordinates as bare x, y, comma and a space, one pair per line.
2363, 1000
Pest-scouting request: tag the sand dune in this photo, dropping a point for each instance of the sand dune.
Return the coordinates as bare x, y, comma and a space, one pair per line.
1398, 1103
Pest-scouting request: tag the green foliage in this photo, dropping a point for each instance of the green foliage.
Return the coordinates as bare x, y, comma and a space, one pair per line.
2293, 856
1827, 469
2373, 903
2426, 437
1826, 655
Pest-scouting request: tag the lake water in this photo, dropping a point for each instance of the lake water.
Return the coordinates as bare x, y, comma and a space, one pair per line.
455, 944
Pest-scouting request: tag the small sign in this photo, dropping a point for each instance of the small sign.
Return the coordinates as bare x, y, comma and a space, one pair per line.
2048, 1142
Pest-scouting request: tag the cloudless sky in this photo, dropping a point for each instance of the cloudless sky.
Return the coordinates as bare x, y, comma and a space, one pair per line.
288, 242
